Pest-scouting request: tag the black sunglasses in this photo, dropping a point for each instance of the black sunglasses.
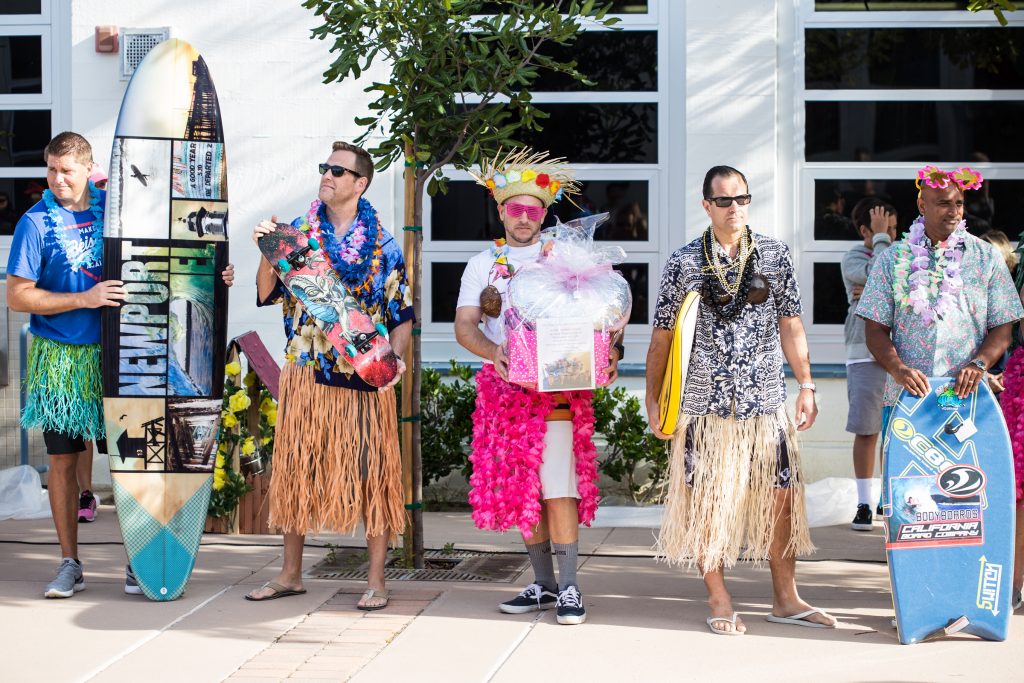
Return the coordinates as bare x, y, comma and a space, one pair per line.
725, 202
337, 171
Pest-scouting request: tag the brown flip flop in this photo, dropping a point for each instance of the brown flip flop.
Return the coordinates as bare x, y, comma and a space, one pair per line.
279, 592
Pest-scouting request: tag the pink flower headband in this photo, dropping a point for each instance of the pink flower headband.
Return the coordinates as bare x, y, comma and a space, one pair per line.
964, 177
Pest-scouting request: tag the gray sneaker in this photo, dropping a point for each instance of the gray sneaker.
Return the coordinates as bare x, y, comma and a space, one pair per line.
131, 585
68, 582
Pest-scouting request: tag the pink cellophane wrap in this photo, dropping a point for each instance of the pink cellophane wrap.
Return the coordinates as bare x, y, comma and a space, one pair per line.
522, 357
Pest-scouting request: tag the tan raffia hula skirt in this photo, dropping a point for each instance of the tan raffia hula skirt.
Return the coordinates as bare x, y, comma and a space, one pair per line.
335, 455
728, 506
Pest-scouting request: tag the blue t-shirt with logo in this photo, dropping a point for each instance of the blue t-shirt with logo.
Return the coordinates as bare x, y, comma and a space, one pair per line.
37, 255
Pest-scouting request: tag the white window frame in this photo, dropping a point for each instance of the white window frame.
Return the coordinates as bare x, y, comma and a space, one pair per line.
43, 17
438, 339
827, 340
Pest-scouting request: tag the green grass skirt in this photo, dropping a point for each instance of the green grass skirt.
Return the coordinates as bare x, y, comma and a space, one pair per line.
65, 389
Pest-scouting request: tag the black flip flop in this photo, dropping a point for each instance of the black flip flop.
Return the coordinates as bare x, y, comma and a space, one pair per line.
279, 592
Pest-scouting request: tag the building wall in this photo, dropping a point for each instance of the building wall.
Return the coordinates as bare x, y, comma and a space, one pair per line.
721, 104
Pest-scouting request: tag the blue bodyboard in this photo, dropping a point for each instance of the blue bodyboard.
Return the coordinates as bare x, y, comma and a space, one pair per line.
948, 496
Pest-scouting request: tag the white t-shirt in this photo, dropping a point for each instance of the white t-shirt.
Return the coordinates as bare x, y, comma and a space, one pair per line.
477, 276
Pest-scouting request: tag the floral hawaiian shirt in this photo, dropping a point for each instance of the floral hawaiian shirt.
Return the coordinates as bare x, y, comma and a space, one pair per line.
988, 299
390, 302
735, 366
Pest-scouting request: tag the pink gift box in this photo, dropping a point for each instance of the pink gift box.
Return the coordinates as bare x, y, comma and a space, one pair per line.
522, 356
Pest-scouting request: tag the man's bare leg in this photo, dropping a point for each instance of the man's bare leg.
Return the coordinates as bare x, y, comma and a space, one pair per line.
291, 568
83, 470
720, 602
377, 547
865, 450
62, 489
785, 600
563, 520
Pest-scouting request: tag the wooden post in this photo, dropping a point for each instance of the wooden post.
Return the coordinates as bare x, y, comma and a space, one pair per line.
408, 538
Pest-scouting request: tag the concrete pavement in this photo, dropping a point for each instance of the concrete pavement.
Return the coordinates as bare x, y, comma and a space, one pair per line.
646, 621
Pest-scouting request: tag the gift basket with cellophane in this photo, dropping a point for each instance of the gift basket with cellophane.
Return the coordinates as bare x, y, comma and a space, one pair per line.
573, 279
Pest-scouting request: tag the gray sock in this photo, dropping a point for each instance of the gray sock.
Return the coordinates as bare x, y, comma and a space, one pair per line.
543, 567
567, 558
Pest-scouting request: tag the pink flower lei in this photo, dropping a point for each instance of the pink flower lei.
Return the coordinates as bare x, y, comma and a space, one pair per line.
932, 291
351, 242
1012, 403
508, 448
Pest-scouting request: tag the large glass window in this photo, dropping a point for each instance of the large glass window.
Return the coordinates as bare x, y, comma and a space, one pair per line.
598, 133
880, 97
913, 131
23, 135
998, 205
613, 60
18, 195
889, 5
467, 211
911, 58
21, 65
21, 7
611, 133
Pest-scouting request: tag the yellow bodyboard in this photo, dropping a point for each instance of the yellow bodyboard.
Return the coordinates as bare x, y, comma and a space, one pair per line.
674, 381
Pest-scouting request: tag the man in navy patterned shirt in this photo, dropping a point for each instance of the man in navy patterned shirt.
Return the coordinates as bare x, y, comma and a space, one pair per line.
734, 477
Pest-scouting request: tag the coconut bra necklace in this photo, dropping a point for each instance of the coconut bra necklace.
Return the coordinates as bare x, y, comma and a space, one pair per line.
726, 298
501, 269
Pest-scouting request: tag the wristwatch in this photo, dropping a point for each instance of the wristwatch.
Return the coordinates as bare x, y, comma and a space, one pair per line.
980, 364
809, 385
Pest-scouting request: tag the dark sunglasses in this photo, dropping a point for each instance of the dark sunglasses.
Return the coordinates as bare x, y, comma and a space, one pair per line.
337, 171
726, 202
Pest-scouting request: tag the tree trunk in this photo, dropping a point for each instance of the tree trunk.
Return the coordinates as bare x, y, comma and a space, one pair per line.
412, 468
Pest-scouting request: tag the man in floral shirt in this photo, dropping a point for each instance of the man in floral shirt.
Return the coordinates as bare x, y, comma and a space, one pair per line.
941, 301
336, 455
735, 478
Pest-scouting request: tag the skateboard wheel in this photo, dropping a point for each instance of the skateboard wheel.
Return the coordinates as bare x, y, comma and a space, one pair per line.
350, 350
381, 330
284, 265
314, 244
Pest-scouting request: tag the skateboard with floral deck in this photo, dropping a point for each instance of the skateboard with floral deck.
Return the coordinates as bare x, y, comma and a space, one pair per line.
302, 265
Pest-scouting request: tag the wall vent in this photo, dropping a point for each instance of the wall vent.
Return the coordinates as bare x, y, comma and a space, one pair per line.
136, 44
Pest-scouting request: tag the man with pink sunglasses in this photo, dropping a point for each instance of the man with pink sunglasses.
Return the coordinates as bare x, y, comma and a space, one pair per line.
510, 421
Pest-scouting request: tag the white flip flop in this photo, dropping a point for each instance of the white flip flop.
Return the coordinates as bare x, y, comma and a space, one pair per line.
721, 632
801, 619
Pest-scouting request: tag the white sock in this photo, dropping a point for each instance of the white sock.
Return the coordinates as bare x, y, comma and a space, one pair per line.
864, 491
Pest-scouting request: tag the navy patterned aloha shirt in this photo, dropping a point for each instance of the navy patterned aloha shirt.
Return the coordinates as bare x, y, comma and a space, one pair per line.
736, 366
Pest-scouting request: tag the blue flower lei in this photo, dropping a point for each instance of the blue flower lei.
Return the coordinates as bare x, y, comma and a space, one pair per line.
352, 275
87, 252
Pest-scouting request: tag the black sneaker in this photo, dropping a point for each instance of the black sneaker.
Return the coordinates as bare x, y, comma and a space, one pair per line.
878, 511
862, 522
532, 598
570, 606
131, 584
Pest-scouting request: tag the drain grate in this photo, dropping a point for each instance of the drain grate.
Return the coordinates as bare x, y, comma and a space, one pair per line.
457, 565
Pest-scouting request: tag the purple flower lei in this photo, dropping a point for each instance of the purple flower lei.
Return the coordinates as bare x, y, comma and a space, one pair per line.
933, 291
355, 248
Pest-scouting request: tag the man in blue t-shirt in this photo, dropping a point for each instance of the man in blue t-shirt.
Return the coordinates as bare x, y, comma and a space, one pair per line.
55, 273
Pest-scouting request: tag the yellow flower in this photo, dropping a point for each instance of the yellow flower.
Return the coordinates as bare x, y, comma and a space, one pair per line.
233, 369
239, 401
265, 440
529, 175
267, 404
553, 186
490, 184
229, 421
219, 479
272, 417
220, 461
250, 379
249, 446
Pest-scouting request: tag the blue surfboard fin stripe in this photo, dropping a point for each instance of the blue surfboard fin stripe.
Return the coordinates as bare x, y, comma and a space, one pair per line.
162, 557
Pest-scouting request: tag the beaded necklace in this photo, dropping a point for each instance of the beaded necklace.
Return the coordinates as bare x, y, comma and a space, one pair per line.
86, 252
715, 265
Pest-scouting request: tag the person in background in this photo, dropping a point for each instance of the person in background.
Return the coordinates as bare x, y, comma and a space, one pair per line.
875, 222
